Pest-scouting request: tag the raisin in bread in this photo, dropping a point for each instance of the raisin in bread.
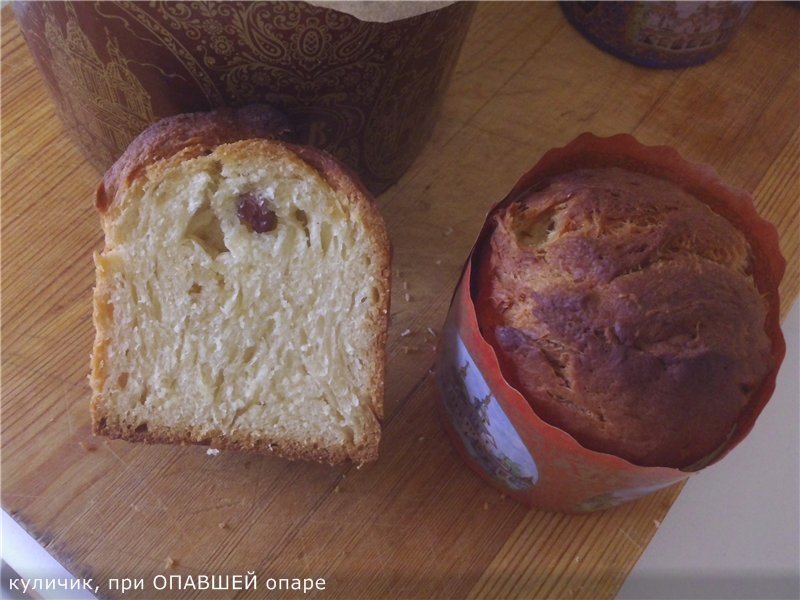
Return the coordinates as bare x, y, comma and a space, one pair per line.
242, 294
625, 311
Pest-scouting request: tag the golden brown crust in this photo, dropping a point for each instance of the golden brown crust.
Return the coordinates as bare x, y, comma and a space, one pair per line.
364, 453
626, 313
237, 134
196, 133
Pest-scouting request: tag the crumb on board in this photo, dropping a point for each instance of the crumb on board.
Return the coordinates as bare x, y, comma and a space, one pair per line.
222, 524
656, 522
421, 438
448, 231
407, 297
88, 446
170, 563
485, 506
438, 262
212, 452
431, 332
406, 333
406, 349
405, 285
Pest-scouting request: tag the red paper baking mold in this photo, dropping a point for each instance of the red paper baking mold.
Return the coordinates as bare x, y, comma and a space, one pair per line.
493, 426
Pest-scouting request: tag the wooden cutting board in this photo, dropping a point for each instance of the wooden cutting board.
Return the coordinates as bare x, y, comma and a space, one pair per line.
417, 523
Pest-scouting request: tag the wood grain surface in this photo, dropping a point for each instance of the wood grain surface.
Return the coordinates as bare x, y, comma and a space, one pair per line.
418, 523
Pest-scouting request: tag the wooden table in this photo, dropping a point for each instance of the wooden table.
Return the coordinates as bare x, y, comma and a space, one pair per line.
417, 523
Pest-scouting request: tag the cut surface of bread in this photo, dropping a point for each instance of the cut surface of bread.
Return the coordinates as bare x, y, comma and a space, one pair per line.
242, 302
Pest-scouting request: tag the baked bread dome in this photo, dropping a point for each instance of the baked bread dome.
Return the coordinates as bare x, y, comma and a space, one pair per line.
625, 311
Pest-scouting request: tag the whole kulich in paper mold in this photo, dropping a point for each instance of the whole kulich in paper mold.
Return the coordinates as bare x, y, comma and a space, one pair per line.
616, 327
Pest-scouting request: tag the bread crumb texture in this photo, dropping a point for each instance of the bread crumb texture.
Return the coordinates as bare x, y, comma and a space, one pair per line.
625, 311
241, 302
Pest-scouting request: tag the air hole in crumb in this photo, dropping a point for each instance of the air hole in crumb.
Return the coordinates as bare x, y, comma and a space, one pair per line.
302, 219
204, 227
300, 216
746, 389
325, 236
141, 428
195, 289
375, 294
155, 303
269, 327
249, 353
122, 381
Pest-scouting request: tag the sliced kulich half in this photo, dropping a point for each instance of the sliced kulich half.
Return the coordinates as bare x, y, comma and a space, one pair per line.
242, 295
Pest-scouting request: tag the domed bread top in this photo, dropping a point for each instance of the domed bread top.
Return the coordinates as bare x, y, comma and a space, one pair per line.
625, 311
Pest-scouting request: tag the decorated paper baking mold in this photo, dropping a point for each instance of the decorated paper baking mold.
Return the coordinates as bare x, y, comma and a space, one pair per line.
487, 434
493, 426
365, 88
